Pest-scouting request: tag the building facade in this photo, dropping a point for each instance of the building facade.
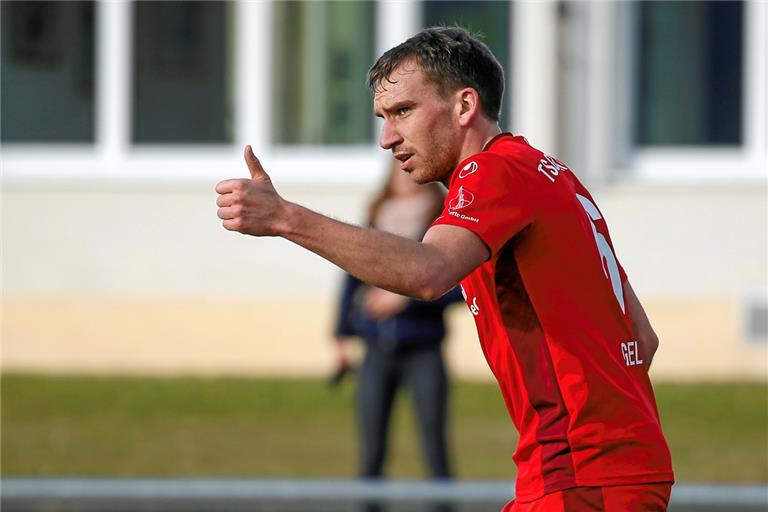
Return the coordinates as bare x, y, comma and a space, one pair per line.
118, 119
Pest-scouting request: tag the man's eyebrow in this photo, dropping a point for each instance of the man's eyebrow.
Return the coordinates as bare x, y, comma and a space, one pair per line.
395, 107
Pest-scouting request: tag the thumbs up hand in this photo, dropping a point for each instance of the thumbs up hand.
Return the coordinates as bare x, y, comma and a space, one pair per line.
250, 206
254, 166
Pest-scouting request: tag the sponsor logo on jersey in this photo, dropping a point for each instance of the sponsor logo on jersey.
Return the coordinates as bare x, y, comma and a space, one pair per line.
464, 217
462, 199
474, 308
468, 169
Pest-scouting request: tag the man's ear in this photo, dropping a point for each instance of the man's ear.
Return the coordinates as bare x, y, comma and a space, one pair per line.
467, 105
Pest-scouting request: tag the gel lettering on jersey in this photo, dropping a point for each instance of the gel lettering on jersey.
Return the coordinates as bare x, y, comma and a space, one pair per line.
631, 354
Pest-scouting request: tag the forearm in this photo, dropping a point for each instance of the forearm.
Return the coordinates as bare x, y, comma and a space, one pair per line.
423, 270
397, 264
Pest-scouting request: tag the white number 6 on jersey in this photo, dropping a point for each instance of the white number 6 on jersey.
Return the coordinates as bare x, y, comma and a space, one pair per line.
610, 267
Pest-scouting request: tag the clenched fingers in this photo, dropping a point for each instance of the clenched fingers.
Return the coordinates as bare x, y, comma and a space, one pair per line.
230, 212
233, 224
226, 186
226, 200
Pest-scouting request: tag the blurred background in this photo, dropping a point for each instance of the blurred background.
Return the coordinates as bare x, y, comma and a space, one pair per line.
124, 300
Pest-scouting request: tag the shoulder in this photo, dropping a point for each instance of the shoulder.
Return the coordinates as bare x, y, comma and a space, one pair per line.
481, 166
493, 169
506, 152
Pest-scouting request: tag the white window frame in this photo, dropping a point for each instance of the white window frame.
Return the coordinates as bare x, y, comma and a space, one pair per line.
747, 163
113, 158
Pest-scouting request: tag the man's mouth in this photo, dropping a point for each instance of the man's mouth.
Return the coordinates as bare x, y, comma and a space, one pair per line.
404, 158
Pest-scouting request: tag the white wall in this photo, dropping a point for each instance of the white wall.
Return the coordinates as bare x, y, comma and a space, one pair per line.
113, 258
142, 278
154, 240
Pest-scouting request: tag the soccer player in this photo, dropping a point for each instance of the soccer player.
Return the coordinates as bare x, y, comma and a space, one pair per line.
559, 324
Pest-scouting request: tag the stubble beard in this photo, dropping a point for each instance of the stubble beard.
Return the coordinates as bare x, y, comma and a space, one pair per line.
438, 166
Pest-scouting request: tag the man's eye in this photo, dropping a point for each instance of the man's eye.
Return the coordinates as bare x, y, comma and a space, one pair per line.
402, 111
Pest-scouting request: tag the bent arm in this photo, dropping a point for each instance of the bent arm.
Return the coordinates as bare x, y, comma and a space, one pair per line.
423, 270
646, 337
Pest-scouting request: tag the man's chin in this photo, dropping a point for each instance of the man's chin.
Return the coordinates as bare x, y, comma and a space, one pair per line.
424, 176
418, 177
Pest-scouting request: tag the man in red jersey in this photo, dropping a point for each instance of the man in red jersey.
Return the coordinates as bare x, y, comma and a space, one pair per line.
558, 322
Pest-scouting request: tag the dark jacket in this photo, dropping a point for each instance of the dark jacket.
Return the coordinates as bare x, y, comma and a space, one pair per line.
420, 323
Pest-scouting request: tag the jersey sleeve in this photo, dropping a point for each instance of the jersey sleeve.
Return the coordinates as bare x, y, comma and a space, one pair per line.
489, 196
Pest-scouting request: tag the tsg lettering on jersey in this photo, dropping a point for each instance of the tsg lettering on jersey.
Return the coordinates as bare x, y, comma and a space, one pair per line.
550, 167
629, 350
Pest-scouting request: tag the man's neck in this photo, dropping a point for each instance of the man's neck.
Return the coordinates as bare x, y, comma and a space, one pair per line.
495, 132
474, 142
477, 138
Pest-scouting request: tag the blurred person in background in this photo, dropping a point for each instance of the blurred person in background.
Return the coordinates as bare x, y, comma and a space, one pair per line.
403, 337
558, 321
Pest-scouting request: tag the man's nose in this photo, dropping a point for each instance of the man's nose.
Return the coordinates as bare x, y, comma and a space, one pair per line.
389, 136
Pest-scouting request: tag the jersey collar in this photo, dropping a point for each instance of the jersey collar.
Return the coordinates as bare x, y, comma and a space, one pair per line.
496, 139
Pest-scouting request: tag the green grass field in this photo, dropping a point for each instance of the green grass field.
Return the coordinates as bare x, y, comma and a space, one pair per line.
274, 428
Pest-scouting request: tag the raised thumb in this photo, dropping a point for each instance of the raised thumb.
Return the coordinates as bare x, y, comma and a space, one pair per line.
254, 166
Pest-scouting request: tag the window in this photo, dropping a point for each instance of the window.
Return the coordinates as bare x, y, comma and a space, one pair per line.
689, 69
490, 19
47, 71
322, 51
182, 79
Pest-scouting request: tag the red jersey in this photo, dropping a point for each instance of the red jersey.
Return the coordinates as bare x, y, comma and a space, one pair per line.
550, 315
